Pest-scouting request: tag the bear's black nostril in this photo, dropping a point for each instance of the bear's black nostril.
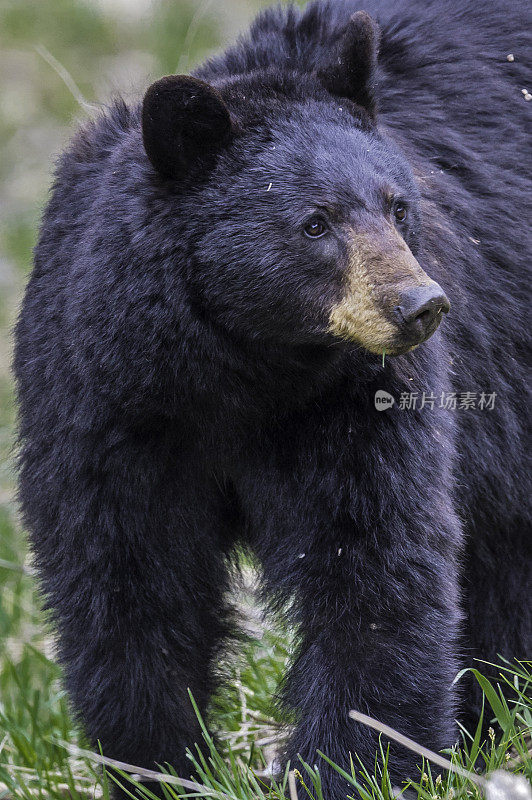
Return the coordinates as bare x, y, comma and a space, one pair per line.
420, 309
424, 316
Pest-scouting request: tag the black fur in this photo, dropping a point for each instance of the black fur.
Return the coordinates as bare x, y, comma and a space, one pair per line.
178, 394
352, 71
185, 124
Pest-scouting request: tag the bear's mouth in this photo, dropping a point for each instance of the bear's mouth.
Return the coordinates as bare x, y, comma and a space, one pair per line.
399, 351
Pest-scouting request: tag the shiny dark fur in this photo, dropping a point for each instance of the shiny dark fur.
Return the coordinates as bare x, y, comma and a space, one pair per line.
177, 395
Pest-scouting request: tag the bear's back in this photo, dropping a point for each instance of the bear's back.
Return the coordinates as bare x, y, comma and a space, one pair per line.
414, 34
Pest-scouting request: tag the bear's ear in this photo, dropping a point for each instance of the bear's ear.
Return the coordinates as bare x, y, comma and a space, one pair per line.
185, 124
351, 72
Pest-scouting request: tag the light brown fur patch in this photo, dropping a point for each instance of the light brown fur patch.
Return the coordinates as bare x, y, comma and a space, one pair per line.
380, 266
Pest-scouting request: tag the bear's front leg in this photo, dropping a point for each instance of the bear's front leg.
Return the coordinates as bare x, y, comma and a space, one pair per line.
375, 601
130, 550
379, 638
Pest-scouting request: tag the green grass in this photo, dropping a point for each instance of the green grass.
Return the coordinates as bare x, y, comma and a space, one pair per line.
50, 52
36, 727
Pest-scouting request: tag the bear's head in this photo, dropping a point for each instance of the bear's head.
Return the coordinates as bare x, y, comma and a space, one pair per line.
305, 219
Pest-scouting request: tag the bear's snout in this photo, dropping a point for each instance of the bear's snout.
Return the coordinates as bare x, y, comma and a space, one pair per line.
389, 302
420, 310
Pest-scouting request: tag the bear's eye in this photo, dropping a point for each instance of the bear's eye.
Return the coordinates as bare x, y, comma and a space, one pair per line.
315, 228
400, 212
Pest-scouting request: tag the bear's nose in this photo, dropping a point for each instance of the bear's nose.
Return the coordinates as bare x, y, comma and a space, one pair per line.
420, 309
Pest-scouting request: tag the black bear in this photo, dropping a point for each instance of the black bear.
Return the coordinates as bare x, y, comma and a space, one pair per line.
228, 277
